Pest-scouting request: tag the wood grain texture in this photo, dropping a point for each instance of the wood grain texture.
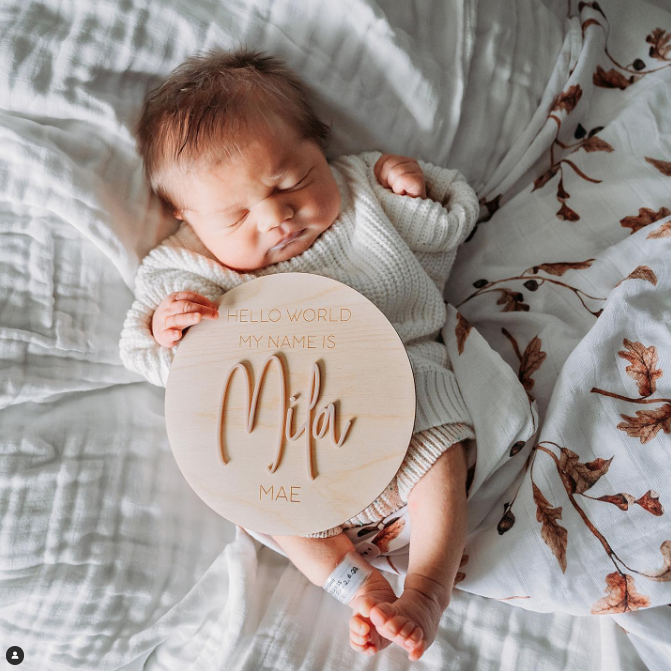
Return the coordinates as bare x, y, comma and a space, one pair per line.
327, 338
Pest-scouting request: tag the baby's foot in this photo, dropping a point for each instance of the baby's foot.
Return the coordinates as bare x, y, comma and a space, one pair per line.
411, 621
363, 635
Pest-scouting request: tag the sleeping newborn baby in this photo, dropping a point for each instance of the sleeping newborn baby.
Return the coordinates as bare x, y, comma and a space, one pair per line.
233, 148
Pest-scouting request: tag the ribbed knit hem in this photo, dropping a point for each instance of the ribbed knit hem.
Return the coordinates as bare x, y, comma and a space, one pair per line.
425, 449
333, 531
439, 400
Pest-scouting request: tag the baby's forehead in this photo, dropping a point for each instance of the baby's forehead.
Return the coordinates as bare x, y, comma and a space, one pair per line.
260, 163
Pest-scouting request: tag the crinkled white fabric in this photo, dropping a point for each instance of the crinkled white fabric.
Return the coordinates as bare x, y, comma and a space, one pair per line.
108, 560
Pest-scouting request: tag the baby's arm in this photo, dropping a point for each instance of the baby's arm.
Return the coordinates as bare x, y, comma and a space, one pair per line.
438, 222
139, 350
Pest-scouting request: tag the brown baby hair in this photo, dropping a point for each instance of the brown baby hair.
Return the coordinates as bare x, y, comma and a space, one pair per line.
204, 111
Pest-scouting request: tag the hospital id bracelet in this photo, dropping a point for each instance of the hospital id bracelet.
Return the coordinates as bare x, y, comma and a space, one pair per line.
347, 577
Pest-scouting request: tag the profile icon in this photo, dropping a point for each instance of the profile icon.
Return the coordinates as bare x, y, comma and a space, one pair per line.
14, 655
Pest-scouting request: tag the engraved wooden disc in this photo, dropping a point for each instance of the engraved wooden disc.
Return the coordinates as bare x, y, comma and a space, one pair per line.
244, 448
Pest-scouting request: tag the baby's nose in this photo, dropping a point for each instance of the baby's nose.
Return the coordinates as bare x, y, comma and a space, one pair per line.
273, 216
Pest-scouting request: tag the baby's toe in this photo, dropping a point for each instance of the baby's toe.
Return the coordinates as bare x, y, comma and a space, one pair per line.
394, 625
405, 631
381, 614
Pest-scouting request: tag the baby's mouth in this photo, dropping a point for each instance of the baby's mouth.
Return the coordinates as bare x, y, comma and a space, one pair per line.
286, 241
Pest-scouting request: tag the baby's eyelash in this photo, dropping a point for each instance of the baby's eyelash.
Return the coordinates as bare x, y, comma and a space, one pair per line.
300, 181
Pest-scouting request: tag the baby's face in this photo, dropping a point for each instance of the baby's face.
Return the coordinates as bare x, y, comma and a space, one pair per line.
264, 206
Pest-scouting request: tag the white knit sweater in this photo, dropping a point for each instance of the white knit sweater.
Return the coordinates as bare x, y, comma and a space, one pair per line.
395, 250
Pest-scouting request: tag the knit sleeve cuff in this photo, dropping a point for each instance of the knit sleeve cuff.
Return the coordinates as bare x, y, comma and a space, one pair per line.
424, 450
438, 223
139, 350
333, 531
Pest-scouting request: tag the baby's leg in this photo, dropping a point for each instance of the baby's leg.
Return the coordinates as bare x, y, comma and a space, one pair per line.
316, 558
438, 518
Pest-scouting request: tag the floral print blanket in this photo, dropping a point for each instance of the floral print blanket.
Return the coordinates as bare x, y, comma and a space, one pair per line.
559, 331
568, 278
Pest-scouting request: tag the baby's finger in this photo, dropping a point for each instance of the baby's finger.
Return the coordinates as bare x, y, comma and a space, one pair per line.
394, 166
409, 184
377, 169
168, 337
193, 297
406, 168
186, 307
182, 320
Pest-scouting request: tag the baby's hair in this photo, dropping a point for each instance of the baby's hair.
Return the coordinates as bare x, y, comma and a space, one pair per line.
205, 108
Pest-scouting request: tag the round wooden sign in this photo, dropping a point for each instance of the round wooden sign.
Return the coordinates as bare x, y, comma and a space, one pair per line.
293, 410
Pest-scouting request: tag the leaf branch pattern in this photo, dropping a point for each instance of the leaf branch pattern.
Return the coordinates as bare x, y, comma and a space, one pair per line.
577, 477
644, 371
660, 49
513, 301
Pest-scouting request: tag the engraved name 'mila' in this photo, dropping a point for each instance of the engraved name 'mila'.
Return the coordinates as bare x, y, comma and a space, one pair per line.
311, 427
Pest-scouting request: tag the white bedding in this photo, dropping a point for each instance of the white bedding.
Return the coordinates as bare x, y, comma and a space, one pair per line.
107, 558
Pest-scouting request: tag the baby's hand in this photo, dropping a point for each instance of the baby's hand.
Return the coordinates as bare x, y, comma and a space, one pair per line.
177, 312
401, 174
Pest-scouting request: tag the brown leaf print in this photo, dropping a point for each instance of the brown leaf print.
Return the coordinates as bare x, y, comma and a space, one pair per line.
462, 330
650, 502
562, 194
663, 166
664, 231
388, 534
661, 46
531, 361
541, 181
641, 273
582, 476
491, 205
645, 216
664, 574
558, 269
647, 423
622, 596
507, 522
554, 535
568, 99
516, 448
622, 501
643, 366
596, 144
513, 301
565, 213
610, 80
